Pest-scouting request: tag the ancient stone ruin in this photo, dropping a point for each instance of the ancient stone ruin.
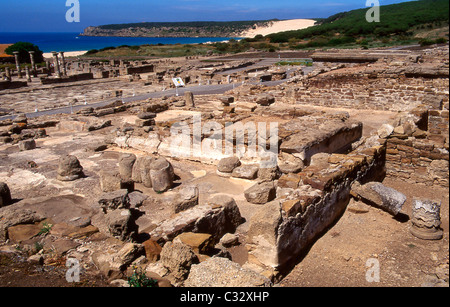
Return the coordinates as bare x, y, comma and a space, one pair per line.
233, 181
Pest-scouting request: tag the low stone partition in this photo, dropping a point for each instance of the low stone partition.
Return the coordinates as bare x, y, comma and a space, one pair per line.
73, 78
282, 230
344, 58
138, 70
368, 90
6, 85
332, 136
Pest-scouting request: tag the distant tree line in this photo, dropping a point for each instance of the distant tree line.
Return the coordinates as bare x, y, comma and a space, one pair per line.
206, 25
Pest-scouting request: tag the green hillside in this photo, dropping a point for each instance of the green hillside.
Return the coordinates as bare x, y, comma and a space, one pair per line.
177, 29
397, 21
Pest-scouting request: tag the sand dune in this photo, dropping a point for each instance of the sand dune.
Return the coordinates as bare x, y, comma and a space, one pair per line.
48, 55
280, 26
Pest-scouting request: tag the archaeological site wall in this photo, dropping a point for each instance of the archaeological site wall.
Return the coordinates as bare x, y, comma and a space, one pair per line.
421, 155
364, 91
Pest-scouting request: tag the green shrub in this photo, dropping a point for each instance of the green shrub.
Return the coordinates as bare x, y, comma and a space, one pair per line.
23, 48
140, 280
92, 51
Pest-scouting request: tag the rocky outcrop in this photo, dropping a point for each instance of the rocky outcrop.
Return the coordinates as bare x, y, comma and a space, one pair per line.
221, 272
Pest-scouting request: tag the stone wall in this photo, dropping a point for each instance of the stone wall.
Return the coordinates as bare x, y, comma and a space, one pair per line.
12, 84
422, 156
138, 70
73, 78
281, 231
362, 91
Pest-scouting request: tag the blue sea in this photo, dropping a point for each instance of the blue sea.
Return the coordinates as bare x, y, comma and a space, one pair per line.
66, 42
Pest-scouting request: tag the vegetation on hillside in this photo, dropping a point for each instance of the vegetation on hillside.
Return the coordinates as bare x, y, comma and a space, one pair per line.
398, 23
177, 29
424, 22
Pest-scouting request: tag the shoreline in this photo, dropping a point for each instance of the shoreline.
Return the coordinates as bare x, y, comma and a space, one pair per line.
68, 54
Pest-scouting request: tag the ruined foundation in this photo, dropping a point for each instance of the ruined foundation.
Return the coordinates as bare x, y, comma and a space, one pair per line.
248, 178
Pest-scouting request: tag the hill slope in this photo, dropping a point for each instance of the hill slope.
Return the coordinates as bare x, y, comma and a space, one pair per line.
177, 29
397, 19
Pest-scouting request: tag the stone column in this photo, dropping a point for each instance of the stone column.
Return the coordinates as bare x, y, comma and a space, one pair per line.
189, 98
8, 73
63, 63
27, 74
56, 63
426, 219
16, 56
33, 63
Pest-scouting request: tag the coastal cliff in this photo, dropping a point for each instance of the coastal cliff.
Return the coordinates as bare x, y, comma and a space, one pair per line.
177, 29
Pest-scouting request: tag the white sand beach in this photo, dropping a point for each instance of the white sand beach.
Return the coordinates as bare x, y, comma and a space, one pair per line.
280, 26
48, 55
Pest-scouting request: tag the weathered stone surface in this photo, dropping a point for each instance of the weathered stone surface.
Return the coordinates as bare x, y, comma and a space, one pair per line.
5, 195
126, 163
261, 193
60, 246
107, 265
21, 118
245, 172
227, 165
231, 213
426, 219
144, 122
141, 171
80, 221
62, 229
186, 198
114, 200
226, 100
12, 216
221, 272
110, 180
161, 175
229, 240
385, 131
265, 100
128, 253
146, 115
263, 233
201, 243
269, 174
288, 163
219, 216
23, 232
83, 232
152, 250
27, 145
121, 224
136, 199
289, 180
178, 259
381, 196
189, 98
36, 259
309, 139
69, 168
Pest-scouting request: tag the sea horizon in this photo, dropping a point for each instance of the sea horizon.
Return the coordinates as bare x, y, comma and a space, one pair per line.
74, 41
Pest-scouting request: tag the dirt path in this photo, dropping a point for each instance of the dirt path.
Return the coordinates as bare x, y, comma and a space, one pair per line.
339, 258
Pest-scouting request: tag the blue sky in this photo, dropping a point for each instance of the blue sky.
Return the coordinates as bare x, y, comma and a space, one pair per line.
49, 15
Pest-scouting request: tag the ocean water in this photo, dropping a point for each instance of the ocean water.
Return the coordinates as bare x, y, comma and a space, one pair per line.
66, 42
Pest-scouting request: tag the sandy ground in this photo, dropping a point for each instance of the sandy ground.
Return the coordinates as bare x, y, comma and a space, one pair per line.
48, 55
280, 26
